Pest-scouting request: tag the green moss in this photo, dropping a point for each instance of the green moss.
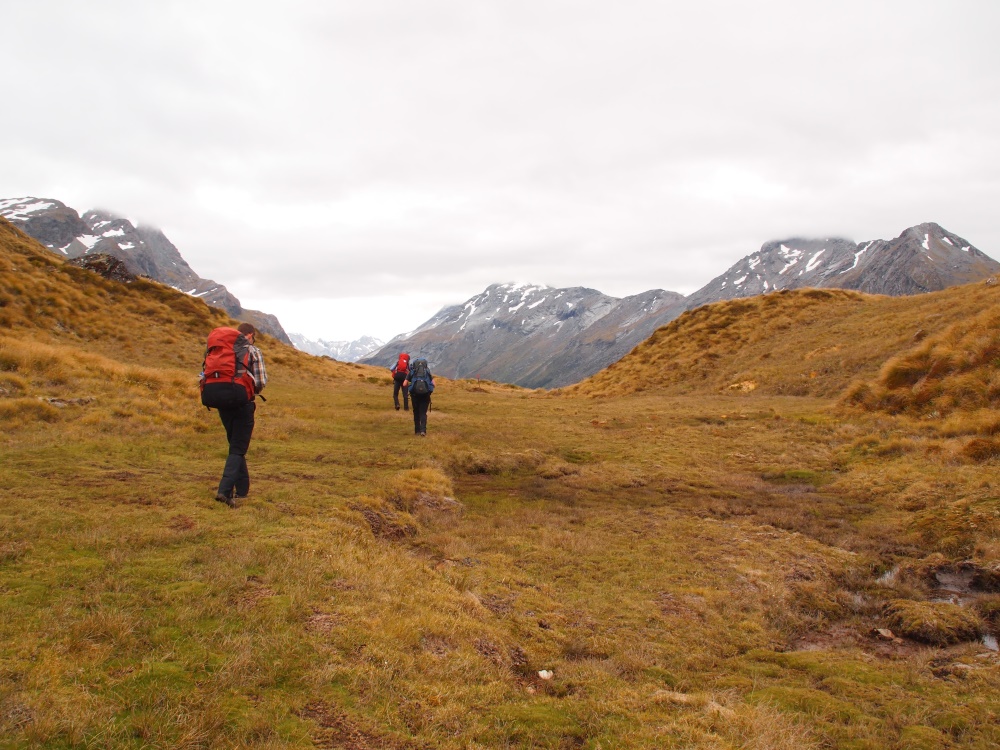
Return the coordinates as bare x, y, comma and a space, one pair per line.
814, 703
797, 476
922, 738
542, 724
662, 676
939, 623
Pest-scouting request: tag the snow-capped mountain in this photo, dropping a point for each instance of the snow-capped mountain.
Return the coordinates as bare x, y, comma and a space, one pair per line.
533, 335
537, 336
924, 258
145, 251
344, 351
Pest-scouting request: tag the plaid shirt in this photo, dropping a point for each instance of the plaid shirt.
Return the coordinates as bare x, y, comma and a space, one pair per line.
257, 370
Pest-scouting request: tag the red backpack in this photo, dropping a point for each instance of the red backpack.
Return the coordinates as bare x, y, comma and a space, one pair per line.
226, 381
403, 365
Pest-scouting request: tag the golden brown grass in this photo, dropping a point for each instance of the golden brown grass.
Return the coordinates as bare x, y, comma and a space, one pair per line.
805, 342
696, 567
956, 370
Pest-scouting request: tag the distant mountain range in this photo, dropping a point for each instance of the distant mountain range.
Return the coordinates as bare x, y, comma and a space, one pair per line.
538, 336
144, 250
533, 335
343, 351
530, 335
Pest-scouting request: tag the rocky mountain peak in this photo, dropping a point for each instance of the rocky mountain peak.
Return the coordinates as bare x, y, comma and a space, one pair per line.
533, 334
145, 251
50, 222
344, 351
923, 258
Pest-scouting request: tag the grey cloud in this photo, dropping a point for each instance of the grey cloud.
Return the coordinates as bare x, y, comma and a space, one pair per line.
617, 146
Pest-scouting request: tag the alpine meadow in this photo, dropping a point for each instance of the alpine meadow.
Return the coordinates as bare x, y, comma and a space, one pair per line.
772, 525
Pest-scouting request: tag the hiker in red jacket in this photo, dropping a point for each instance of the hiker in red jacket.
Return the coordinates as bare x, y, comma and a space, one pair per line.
400, 371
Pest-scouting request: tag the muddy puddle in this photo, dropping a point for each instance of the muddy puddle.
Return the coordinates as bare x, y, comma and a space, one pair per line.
963, 585
955, 587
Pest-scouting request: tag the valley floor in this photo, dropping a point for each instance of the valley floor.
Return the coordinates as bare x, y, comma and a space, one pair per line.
540, 571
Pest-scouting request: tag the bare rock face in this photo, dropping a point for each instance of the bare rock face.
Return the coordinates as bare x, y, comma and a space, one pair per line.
924, 258
50, 222
144, 251
535, 336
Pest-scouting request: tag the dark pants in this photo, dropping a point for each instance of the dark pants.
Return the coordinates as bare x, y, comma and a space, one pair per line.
239, 427
420, 406
397, 386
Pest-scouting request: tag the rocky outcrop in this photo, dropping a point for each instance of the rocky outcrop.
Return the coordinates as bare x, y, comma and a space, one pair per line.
106, 265
144, 251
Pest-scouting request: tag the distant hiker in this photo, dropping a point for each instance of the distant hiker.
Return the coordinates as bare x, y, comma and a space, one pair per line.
232, 374
399, 372
421, 385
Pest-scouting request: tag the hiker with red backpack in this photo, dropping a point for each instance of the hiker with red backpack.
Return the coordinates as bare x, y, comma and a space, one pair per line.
232, 375
399, 372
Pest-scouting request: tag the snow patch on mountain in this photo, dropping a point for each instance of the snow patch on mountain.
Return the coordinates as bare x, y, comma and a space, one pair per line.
343, 351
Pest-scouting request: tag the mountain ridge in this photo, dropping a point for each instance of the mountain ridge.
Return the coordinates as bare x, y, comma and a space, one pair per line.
343, 351
145, 251
923, 258
532, 335
535, 335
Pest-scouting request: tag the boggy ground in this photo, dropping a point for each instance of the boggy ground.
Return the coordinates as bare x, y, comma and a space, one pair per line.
696, 571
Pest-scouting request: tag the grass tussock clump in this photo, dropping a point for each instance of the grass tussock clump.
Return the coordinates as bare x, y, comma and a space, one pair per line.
958, 528
955, 370
22, 412
12, 385
988, 607
938, 623
496, 463
980, 450
384, 520
424, 488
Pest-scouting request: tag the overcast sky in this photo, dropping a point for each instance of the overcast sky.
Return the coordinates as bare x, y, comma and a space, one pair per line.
354, 166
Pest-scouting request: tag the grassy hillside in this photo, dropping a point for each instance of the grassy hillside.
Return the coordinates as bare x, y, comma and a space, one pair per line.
696, 566
810, 342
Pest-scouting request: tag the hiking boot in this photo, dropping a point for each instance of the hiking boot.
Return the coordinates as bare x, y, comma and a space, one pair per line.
225, 499
397, 408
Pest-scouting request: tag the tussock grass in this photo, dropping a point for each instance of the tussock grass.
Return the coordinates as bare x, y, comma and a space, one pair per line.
696, 566
940, 623
954, 370
809, 342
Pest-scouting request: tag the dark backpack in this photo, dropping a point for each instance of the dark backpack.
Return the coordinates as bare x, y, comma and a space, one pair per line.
420, 377
226, 381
